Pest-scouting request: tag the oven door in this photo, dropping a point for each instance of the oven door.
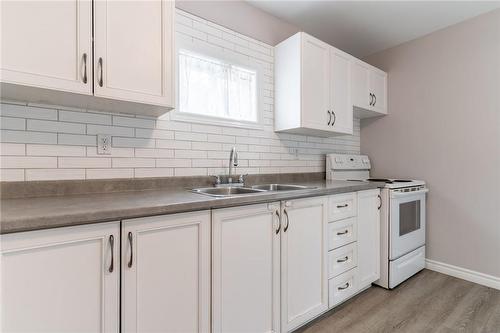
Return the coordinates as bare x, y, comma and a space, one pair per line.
407, 222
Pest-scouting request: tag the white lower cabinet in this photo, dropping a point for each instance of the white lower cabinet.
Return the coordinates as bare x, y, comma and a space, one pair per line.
61, 280
166, 273
246, 269
368, 237
268, 267
304, 290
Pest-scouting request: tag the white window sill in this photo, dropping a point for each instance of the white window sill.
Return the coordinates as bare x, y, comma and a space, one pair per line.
207, 120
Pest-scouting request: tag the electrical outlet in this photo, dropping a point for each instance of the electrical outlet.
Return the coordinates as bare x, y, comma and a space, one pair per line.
104, 144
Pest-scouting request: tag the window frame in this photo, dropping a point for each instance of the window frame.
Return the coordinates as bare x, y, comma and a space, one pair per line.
225, 55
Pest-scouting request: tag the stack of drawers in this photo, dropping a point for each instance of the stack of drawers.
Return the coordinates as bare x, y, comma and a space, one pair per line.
342, 248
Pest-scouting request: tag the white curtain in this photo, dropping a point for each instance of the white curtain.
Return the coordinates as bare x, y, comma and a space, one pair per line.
215, 88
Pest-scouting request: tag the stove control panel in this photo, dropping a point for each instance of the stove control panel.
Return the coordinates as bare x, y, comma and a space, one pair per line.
347, 162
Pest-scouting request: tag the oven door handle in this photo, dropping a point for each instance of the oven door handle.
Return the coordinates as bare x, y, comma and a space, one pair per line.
408, 194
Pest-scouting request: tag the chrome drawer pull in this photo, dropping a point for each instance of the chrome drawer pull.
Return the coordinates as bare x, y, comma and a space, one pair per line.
342, 232
344, 287
343, 259
342, 206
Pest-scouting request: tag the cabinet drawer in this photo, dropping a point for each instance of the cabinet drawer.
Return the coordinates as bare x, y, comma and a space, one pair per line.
341, 206
342, 259
342, 287
342, 232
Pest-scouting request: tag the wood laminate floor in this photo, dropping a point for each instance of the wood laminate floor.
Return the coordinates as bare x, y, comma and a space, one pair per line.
428, 302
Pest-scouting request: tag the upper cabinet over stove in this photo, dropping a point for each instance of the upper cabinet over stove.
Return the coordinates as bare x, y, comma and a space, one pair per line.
118, 57
317, 85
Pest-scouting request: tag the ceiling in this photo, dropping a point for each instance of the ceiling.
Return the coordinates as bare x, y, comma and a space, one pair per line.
366, 27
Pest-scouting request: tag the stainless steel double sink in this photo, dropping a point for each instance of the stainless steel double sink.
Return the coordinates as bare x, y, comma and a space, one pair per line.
235, 191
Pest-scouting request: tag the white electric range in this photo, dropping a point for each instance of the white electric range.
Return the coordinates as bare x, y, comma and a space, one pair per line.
402, 217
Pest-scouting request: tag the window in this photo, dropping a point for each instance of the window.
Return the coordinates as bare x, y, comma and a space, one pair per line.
216, 90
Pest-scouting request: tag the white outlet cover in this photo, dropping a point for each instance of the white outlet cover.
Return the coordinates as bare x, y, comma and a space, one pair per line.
104, 144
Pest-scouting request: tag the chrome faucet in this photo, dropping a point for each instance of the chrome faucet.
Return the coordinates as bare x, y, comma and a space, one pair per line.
233, 162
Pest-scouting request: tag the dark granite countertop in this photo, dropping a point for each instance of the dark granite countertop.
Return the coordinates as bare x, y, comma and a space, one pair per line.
25, 214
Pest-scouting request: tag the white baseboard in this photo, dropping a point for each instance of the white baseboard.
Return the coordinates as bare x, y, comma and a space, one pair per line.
462, 273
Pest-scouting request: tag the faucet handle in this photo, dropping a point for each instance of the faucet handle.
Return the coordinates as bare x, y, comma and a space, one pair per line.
242, 178
217, 180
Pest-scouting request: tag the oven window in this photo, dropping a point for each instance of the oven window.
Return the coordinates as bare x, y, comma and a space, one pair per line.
409, 217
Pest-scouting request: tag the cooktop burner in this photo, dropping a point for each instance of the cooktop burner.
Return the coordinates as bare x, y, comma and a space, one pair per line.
378, 180
401, 181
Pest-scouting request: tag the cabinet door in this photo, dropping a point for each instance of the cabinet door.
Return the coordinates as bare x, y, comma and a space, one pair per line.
361, 85
246, 269
340, 92
368, 237
61, 280
47, 44
133, 54
304, 290
166, 273
315, 83
378, 87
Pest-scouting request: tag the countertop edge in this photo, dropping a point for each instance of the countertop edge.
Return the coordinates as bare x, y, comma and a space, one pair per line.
58, 221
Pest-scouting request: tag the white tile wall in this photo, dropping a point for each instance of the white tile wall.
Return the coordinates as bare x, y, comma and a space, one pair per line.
52, 143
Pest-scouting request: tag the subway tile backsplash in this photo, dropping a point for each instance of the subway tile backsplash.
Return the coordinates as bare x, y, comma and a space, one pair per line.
40, 142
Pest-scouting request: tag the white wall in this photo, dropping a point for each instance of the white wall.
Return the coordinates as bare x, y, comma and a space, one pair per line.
50, 142
444, 127
241, 17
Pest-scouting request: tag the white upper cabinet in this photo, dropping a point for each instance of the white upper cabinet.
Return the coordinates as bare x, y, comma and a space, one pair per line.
132, 54
102, 54
166, 273
368, 237
246, 269
61, 280
369, 90
47, 44
340, 93
312, 90
304, 289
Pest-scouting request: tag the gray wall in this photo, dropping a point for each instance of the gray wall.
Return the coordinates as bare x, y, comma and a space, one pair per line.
444, 127
241, 17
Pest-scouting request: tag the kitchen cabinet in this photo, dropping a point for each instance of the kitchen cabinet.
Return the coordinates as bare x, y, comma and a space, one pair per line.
312, 88
369, 90
165, 282
47, 44
134, 62
61, 280
102, 54
246, 269
368, 237
304, 290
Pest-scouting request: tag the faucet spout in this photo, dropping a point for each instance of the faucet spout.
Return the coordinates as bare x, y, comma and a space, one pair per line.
233, 162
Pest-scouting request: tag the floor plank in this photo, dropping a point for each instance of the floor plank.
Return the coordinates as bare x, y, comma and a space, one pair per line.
428, 302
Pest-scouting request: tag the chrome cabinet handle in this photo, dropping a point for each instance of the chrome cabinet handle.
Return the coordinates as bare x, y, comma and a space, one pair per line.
343, 206
380, 202
345, 286
112, 245
375, 99
287, 220
279, 222
334, 117
329, 117
343, 259
342, 232
371, 99
131, 260
84, 78
100, 70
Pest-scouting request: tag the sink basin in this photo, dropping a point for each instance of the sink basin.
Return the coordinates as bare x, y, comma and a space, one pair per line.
226, 191
280, 187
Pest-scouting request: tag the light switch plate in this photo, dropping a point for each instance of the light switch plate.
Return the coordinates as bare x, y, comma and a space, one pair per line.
104, 144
